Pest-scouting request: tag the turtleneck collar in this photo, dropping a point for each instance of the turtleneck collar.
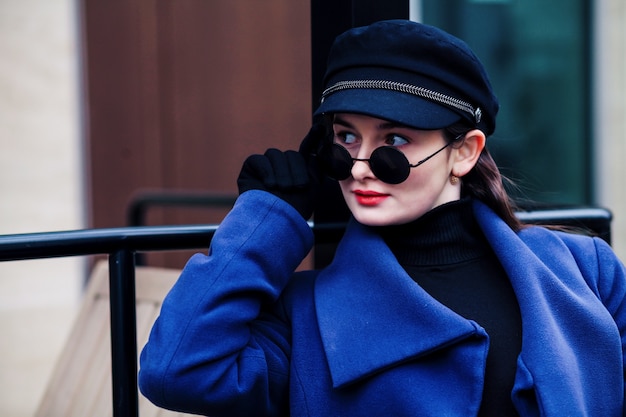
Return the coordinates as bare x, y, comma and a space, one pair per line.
445, 235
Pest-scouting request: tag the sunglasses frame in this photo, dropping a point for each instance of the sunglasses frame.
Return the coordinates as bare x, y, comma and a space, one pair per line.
396, 167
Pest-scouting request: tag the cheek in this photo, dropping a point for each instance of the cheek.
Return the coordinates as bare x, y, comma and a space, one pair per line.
424, 189
420, 180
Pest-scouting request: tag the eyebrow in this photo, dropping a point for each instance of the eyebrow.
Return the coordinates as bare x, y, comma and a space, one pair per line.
339, 121
385, 125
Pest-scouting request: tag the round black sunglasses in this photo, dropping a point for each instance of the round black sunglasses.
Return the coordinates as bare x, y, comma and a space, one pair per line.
387, 163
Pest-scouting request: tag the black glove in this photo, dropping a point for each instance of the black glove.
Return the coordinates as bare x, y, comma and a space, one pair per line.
291, 176
283, 174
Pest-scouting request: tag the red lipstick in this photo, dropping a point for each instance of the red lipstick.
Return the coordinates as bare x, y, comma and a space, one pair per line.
369, 198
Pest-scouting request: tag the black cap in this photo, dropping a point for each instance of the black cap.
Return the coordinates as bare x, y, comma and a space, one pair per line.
410, 73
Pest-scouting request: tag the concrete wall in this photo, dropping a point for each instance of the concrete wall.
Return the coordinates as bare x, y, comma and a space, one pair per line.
40, 190
610, 114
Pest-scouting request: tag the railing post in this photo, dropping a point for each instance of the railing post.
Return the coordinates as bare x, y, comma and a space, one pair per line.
123, 333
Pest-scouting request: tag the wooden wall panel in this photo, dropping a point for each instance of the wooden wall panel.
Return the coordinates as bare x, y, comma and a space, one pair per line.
178, 93
122, 99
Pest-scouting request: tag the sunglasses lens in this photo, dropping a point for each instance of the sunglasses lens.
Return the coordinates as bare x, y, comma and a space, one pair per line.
389, 165
336, 162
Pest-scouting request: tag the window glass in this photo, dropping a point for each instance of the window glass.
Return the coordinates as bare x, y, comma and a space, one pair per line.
537, 55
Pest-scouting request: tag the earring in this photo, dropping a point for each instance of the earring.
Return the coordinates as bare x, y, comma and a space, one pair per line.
454, 180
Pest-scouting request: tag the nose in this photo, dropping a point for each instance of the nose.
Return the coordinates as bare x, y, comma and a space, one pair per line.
361, 169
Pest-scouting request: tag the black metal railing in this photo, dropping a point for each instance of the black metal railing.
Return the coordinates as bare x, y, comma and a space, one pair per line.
123, 244
144, 200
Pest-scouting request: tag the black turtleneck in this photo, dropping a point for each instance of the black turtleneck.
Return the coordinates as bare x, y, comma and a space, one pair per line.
446, 253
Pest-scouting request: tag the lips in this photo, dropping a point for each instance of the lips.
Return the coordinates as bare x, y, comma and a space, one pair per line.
369, 198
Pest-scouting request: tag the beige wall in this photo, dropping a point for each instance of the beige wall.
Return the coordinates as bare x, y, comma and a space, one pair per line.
40, 190
610, 114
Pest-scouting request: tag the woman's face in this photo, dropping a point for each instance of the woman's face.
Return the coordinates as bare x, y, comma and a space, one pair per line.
375, 203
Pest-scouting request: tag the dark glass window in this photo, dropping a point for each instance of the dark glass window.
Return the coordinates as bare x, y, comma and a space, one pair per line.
537, 54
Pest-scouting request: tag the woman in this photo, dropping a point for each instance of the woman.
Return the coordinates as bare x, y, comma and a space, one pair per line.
438, 302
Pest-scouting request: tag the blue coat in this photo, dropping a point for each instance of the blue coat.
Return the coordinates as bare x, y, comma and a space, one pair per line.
241, 334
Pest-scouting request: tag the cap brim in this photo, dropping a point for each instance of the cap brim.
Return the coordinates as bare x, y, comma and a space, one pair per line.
405, 109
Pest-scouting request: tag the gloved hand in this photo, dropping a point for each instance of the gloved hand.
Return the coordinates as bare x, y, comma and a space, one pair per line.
291, 176
283, 174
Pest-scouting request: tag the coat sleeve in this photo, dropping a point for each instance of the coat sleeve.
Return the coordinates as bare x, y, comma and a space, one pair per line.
607, 278
220, 346
612, 289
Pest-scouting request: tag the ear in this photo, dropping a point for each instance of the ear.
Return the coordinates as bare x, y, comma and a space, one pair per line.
468, 152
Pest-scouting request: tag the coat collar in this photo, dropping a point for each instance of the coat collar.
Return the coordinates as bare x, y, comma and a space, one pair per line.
567, 333
565, 327
363, 293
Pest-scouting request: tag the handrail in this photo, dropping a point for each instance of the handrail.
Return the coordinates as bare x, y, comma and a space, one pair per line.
593, 220
103, 241
137, 239
145, 199
122, 245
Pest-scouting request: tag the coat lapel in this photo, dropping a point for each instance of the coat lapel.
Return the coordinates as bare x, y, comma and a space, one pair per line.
563, 320
372, 315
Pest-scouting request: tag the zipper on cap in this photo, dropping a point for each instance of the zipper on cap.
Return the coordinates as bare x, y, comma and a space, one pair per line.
441, 98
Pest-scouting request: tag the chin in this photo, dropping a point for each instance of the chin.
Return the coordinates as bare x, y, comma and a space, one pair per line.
373, 219
387, 217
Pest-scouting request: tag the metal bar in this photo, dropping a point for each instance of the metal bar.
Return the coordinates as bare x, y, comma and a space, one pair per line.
141, 202
158, 238
103, 241
144, 200
139, 239
591, 220
123, 334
